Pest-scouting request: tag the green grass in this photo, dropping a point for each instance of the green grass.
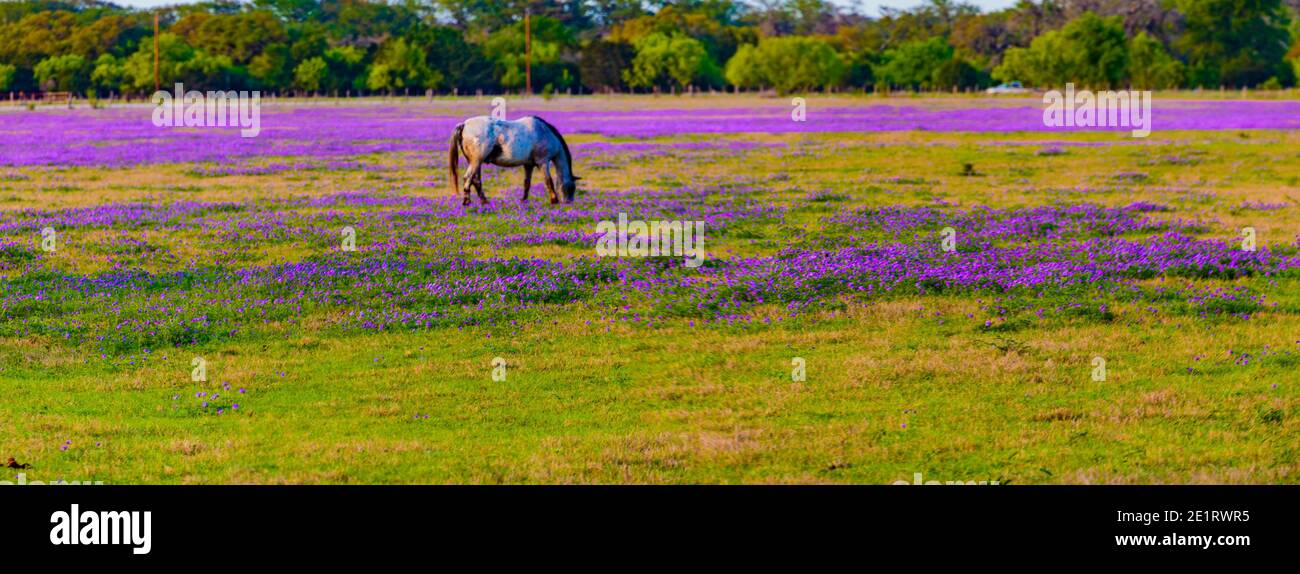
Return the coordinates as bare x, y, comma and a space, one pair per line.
675, 403
891, 389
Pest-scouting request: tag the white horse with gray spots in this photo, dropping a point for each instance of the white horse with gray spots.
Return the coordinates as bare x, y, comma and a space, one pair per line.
530, 142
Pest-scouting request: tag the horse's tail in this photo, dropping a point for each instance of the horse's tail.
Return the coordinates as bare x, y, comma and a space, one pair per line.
568, 157
454, 160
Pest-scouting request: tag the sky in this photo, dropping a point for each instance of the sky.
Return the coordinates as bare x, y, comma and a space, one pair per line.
870, 7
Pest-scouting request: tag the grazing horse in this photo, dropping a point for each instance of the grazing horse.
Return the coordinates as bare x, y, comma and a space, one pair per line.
529, 142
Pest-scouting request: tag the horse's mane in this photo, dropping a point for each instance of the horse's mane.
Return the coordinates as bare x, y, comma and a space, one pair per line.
568, 157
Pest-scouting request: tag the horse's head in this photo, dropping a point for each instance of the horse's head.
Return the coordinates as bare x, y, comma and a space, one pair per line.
570, 188
563, 159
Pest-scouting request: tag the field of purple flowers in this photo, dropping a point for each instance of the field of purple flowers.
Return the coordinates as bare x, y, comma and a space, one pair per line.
974, 296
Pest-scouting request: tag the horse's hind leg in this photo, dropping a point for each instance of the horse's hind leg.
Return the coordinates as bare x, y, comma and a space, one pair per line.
475, 166
478, 183
528, 181
550, 183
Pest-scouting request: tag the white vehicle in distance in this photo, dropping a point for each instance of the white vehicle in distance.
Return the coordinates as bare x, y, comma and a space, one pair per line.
1007, 88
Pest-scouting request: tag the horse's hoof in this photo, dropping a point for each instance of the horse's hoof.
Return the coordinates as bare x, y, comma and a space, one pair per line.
466, 202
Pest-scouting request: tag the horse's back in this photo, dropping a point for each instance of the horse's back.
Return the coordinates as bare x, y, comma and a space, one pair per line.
526, 140
477, 134
478, 125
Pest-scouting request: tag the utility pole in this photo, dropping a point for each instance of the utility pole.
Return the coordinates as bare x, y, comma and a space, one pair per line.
528, 52
157, 82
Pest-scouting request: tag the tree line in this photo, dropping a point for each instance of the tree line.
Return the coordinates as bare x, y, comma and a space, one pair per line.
469, 46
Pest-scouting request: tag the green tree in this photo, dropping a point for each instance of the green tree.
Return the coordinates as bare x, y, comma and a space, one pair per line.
1090, 50
310, 74
914, 64
110, 34
787, 63
602, 63
662, 59
346, 64
1150, 65
858, 68
550, 40
745, 69
714, 23
808, 63
178, 62
462, 64
108, 74
959, 73
66, 73
299, 10
7, 75
36, 37
1235, 42
400, 65
1293, 55
271, 69
380, 79
241, 36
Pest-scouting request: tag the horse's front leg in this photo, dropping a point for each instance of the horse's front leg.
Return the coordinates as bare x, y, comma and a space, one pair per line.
550, 183
528, 181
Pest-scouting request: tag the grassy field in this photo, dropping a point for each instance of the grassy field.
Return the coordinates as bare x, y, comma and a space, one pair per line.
625, 386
